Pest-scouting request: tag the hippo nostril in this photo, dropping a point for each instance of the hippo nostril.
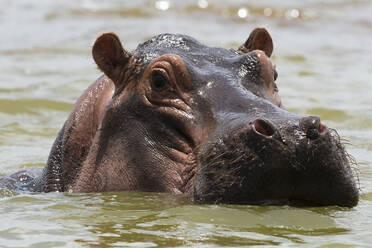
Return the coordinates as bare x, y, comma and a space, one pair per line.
312, 126
312, 134
322, 128
263, 127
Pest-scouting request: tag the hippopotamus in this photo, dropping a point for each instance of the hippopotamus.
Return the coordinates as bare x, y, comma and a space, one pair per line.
180, 117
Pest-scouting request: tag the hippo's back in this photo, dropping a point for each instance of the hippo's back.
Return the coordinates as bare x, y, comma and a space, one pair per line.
23, 180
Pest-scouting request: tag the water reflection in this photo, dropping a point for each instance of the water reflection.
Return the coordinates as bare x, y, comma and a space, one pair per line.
203, 4
243, 12
292, 14
163, 220
162, 5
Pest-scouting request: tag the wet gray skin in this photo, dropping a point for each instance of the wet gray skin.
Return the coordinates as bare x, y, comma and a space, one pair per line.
177, 116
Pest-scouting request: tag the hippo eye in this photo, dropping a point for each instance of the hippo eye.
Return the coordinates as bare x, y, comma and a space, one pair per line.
275, 75
159, 82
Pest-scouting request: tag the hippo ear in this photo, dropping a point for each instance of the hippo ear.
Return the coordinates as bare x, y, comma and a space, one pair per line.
259, 39
110, 56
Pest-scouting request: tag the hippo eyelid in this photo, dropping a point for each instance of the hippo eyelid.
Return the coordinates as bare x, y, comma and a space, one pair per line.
174, 68
160, 71
159, 80
164, 68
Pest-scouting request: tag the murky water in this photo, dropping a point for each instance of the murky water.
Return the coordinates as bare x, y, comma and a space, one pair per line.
323, 55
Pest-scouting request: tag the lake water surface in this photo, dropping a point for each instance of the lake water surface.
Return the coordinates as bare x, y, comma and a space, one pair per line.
323, 54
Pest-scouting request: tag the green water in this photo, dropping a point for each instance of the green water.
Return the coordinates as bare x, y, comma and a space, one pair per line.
323, 56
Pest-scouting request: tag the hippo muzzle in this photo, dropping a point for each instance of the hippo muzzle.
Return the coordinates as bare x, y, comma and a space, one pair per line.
301, 162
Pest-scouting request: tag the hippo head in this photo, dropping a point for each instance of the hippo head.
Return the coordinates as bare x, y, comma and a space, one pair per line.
208, 122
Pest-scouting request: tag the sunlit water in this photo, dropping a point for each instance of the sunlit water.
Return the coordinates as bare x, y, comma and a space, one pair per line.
323, 55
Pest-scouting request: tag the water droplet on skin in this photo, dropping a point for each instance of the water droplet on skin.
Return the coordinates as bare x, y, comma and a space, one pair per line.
201, 92
170, 41
149, 56
23, 178
248, 67
203, 4
209, 85
242, 71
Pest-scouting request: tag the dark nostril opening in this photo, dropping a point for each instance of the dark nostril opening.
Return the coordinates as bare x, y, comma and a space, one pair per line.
322, 127
312, 126
263, 127
312, 134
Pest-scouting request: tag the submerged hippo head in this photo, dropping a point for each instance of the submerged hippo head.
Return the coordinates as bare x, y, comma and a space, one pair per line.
182, 117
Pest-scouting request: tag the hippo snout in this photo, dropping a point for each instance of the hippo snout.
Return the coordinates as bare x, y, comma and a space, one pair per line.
312, 126
268, 163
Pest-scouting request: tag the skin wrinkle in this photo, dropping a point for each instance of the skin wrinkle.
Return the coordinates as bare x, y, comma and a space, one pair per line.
175, 185
163, 104
128, 73
165, 154
175, 155
100, 172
